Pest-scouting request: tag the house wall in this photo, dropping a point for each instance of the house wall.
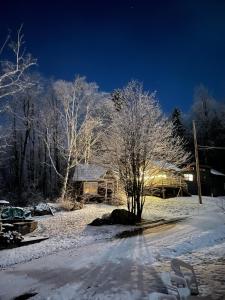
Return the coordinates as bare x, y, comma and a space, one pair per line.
90, 187
79, 188
218, 186
210, 184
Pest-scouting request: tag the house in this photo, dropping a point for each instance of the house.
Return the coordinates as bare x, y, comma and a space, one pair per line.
165, 180
94, 180
162, 180
212, 181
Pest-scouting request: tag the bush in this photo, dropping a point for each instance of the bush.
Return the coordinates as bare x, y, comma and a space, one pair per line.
116, 201
10, 238
92, 198
69, 204
77, 205
66, 205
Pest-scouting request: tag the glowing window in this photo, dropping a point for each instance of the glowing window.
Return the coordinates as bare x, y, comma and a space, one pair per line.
189, 177
90, 187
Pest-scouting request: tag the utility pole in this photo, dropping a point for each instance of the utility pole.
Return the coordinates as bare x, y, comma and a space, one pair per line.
197, 164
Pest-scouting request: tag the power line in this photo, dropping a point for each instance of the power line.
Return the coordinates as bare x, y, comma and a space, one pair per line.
210, 148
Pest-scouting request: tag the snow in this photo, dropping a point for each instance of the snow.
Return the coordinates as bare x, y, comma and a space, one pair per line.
67, 293
204, 228
65, 230
42, 207
202, 232
88, 172
86, 262
215, 172
3, 202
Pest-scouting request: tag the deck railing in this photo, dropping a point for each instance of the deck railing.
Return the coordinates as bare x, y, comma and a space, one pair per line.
169, 182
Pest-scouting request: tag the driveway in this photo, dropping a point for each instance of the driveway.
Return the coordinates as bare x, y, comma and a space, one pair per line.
119, 269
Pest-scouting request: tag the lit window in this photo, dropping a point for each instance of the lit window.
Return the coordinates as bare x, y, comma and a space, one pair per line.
90, 187
188, 177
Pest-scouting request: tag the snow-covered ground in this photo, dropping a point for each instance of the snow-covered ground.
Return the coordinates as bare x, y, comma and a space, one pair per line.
201, 235
95, 267
65, 230
70, 230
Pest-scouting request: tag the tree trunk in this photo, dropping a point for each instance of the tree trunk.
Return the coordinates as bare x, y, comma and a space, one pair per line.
138, 208
138, 215
23, 155
65, 181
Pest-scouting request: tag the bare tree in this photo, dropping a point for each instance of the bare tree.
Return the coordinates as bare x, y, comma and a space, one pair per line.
138, 138
78, 126
13, 77
208, 114
24, 115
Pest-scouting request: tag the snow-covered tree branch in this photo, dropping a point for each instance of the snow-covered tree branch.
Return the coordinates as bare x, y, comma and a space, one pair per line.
13, 77
138, 138
78, 126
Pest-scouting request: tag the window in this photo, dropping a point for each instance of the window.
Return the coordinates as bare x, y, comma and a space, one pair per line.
188, 177
90, 187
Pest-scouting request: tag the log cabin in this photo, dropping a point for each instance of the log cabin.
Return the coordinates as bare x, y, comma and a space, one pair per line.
94, 180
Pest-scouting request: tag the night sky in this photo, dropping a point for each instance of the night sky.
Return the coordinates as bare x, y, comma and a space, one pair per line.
171, 46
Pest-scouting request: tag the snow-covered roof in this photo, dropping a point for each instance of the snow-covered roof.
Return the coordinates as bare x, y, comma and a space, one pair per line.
86, 172
4, 202
215, 172
166, 166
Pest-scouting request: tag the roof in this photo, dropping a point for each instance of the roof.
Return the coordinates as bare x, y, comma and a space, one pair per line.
86, 172
212, 171
2, 202
215, 172
167, 166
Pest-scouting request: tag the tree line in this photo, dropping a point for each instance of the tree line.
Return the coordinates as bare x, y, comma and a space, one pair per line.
209, 116
48, 127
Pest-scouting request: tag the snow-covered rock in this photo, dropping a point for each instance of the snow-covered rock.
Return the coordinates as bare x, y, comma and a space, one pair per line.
42, 209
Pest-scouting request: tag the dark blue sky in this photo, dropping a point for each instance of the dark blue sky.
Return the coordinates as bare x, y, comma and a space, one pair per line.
171, 46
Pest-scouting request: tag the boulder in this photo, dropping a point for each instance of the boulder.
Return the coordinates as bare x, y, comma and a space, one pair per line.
107, 219
118, 216
42, 209
106, 216
98, 222
15, 213
123, 216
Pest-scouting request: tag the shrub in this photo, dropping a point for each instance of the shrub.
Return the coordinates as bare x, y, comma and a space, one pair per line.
69, 204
